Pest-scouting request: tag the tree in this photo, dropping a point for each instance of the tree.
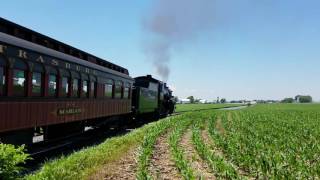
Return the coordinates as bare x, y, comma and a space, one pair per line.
223, 100
305, 99
287, 100
191, 98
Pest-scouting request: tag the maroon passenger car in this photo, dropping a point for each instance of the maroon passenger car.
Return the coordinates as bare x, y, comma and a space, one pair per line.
50, 88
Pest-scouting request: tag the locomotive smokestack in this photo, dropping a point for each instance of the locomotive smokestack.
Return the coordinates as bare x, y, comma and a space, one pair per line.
172, 22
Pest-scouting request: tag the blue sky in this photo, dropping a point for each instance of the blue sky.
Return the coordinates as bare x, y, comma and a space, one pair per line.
266, 49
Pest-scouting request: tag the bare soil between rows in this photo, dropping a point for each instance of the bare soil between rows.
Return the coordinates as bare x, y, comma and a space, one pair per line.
201, 169
124, 168
161, 164
207, 138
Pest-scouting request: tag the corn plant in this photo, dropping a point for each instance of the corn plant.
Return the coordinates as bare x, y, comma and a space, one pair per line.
178, 154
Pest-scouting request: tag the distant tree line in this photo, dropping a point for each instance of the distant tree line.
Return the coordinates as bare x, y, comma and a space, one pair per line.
298, 99
288, 100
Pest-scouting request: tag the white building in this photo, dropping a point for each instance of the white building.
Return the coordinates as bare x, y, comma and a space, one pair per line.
203, 101
184, 101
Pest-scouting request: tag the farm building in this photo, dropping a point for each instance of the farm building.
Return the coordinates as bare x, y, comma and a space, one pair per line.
184, 101
203, 101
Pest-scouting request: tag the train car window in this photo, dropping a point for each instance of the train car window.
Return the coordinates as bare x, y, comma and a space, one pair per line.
19, 78
37, 80
65, 83
126, 93
153, 86
2, 77
19, 81
118, 90
36, 83
85, 92
75, 84
108, 90
52, 81
126, 90
52, 85
64, 86
129, 96
85, 86
75, 88
93, 87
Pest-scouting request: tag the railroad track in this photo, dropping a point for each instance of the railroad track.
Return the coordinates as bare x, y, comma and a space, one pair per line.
42, 151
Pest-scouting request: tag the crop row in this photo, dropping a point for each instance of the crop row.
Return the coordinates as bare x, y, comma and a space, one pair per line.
220, 167
178, 154
147, 146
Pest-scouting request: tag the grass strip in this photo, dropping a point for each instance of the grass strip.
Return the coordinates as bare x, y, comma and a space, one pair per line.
221, 168
148, 143
177, 153
84, 163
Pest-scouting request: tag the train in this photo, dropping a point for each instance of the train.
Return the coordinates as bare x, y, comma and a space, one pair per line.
53, 90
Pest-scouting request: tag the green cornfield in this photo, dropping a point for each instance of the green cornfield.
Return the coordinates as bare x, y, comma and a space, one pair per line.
269, 141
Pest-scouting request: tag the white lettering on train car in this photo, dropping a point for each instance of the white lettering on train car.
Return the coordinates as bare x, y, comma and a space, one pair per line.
40, 59
87, 70
23, 54
78, 68
54, 62
68, 65
2, 49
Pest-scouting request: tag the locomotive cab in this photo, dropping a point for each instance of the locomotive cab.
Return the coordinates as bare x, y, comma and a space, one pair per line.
151, 97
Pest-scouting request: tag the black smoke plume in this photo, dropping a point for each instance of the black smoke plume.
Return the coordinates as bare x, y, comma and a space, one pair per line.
171, 22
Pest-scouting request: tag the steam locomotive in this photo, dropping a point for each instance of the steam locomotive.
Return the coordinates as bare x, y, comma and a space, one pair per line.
51, 89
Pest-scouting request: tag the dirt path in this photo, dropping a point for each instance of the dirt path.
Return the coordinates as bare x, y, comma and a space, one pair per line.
201, 169
161, 165
124, 168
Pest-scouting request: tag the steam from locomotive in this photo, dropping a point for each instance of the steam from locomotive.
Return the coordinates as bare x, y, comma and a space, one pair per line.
172, 22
